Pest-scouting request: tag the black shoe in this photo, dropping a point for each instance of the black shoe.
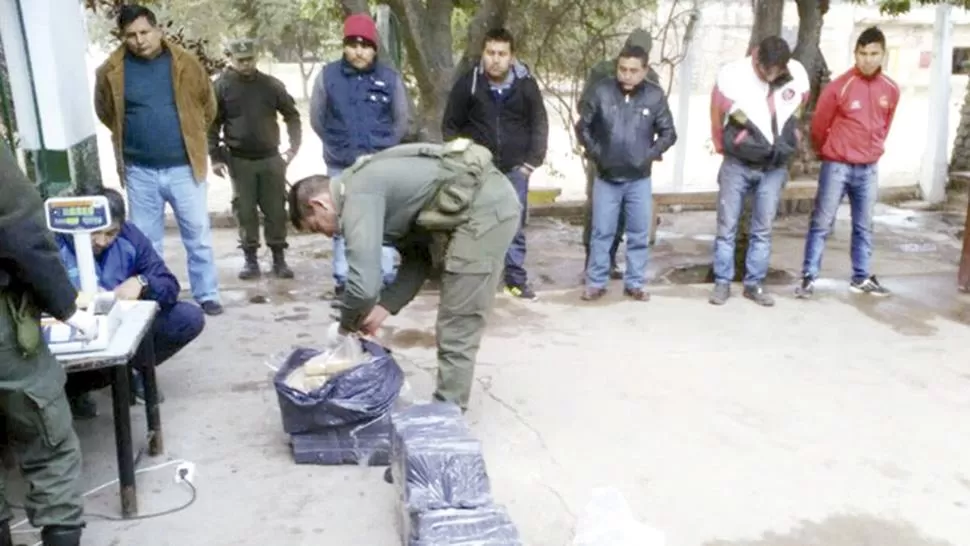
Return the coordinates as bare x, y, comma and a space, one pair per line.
5, 538
83, 407
250, 269
212, 308
523, 292
280, 269
720, 294
869, 286
388, 477
806, 289
758, 295
61, 536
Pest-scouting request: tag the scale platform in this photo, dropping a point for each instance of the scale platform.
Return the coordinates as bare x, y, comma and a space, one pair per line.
62, 338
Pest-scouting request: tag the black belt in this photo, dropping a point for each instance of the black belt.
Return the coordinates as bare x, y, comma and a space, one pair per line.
757, 165
254, 156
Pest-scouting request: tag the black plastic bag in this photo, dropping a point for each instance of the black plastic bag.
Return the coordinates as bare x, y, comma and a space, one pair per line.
362, 393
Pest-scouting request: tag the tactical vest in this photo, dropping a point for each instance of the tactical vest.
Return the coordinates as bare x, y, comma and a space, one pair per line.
463, 165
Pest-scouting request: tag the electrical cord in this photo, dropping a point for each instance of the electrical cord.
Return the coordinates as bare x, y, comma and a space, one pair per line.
183, 473
153, 515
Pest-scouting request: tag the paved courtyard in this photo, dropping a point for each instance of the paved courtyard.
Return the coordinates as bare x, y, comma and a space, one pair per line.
836, 422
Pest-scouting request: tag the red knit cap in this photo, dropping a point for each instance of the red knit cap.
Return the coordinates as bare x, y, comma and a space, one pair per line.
360, 25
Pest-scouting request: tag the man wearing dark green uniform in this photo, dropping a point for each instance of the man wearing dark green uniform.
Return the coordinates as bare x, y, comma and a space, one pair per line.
605, 69
34, 410
442, 206
245, 140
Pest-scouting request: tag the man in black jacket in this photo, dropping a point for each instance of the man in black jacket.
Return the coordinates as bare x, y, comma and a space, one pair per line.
624, 126
606, 69
34, 410
498, 104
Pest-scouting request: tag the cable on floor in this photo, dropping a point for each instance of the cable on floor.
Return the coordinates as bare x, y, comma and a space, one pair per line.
153, 515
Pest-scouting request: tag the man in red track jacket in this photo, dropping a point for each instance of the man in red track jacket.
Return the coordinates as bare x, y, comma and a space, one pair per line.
849, 128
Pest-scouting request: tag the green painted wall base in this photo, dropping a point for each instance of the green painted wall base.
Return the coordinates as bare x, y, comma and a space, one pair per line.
66, 172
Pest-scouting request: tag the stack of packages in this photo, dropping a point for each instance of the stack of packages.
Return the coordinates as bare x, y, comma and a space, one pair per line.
444, 493
335, 404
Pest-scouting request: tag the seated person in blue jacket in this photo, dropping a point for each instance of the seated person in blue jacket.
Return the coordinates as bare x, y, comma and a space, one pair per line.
127, 264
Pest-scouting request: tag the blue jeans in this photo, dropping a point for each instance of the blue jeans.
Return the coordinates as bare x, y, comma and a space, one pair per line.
149, 190
735, 181
340, 266
515, 274
636, 200
861, 184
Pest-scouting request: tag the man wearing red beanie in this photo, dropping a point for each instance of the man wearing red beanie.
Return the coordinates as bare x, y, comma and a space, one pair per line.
358, 106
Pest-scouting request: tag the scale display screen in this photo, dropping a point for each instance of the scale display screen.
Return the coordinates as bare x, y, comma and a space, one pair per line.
77, 214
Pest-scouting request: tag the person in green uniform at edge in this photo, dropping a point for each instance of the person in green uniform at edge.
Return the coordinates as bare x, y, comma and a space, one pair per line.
245, 140
404, 196
605, 69
34, 412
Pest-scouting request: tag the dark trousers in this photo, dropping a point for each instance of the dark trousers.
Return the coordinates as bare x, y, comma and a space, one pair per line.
173, 329
259, 183
588, 219
515, 274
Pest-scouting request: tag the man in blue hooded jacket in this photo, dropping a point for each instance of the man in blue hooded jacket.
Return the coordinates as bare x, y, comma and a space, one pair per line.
126, 263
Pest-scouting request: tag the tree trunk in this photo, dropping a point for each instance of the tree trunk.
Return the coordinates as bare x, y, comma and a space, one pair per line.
353, 6
768, 17
491, 14
305, 74
426, 30
808, 52
960, 158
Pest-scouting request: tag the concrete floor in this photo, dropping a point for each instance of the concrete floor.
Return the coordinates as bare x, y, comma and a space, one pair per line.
836, 422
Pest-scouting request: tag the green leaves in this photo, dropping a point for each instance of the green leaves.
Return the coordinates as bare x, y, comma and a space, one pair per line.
899, 7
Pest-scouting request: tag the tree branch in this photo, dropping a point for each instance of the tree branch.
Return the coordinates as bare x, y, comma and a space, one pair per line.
353, 6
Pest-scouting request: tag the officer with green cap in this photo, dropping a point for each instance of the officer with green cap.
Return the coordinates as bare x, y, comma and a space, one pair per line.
244, 141
445, 208
34, 412
605, 69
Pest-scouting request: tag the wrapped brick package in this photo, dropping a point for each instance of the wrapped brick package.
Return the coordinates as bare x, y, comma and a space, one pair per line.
486, 526
435, 461
366, 444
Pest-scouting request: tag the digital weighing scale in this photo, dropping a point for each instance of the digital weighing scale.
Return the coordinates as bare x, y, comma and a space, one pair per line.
81, 216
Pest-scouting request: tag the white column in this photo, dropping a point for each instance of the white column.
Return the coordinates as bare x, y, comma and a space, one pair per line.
933, 172
685, 73
45, 44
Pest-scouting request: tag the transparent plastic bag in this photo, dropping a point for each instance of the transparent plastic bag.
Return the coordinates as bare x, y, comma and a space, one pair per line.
608, 521
341, 354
